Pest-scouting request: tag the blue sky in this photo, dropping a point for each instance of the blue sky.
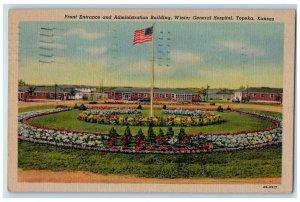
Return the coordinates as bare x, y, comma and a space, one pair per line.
223, 55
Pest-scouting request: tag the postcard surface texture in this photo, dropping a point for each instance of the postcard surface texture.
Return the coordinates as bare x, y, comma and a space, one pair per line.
151, 100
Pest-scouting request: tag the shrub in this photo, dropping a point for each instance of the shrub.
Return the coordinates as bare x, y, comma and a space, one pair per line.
228, 108
212, 104
126, 139
93, 102
151, 135
139, 107
113, 132
220, 109
181, 135
127, 132
82, 107
170, 132
161, 133
164, 106
75, 106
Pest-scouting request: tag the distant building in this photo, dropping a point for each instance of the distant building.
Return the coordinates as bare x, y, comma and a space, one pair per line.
160, 94
82, 92
238, 96
42, 93
220, 94
263, 94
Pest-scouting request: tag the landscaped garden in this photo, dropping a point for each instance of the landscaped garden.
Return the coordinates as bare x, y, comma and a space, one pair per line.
57, 139
185, 139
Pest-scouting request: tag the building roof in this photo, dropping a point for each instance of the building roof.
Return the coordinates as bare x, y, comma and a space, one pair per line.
220, 91
76, 86
156, 90
225, 91
44, 89
264, 90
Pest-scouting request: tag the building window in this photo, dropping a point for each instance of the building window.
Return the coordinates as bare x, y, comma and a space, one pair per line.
254, 94
167, 95
272, 95
145, 95
262, 95
21, 95
44, 94
160, 95
173, 95
140, 94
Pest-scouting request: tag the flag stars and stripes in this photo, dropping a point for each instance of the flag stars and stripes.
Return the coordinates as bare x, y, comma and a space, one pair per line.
142, 36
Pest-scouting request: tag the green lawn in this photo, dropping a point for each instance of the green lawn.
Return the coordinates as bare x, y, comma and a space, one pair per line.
263, 162
35, 108
234, 122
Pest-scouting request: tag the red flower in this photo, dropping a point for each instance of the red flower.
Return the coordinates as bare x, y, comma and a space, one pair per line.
206, 146
183, 149
163, 148
138, 148
150, 148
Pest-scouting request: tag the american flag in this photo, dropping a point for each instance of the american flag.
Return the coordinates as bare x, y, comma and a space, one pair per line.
142, 36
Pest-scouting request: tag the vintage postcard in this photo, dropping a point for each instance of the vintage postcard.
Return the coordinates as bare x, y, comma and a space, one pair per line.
151, 100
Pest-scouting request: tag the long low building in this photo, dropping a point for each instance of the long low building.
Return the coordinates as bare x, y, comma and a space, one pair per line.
61, 92
262, 94
26, 93
159, 94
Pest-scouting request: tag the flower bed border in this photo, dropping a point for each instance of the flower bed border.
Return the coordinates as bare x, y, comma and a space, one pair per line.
256, 115
174, 150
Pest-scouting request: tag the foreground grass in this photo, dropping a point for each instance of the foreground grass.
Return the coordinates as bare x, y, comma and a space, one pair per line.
263, 162
234, 122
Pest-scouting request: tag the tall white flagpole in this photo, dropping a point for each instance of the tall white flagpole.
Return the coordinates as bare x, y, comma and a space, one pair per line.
152, 81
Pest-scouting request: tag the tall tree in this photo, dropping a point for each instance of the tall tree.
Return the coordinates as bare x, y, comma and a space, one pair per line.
207, 87
55, 91
21, 83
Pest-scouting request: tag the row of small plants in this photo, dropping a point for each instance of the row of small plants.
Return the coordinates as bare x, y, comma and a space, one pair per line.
163, 142
183, 112
115, 118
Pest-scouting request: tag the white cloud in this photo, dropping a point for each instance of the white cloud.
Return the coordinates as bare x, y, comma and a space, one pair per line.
83, 34
52, 45
95, 50
185, 57
243, 48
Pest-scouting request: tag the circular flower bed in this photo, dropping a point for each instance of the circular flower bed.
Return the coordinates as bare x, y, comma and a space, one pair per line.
182, 118
162, 143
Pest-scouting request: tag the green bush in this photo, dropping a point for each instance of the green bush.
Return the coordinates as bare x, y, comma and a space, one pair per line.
82, 107
170, 132
151, 135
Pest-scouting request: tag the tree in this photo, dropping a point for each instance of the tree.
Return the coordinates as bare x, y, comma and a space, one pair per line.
207, 87
21, 83
72, 92
55, 89
31, 90
242, 88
